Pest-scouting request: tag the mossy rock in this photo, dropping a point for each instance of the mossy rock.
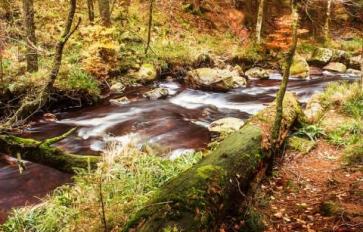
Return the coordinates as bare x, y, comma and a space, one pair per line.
336, 67
301, 145
300, 67
147, 73
321, 56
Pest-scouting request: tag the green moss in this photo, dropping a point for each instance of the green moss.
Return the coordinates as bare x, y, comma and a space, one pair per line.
300, 144
207, 171
191, 194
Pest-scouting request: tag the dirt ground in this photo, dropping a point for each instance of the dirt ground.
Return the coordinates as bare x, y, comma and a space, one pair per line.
313, 192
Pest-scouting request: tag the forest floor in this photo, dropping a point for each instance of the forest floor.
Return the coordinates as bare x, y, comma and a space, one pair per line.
316, 191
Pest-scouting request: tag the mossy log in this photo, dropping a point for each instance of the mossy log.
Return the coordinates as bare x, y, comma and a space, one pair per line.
198, 199
42, 152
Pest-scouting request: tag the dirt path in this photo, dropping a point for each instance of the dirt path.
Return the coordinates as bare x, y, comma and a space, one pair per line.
313, 192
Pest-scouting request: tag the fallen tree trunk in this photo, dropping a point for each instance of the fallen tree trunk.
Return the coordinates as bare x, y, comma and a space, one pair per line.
198, 199
42, 152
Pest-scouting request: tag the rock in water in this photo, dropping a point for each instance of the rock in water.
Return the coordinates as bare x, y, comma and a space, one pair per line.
117, 88
146, 73
321, 56
336, 67
257, 73
226, 125
300, 67
215, 79
120, 101
355, 62
340, 56
353, 72
156, 93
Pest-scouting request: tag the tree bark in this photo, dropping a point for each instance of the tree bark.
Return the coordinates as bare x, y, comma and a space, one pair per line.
259, 21
91, 10
28, 108
276, 131
199, 198
151, 6
361, 66
104, 8
327, 22
30, 39
42, 152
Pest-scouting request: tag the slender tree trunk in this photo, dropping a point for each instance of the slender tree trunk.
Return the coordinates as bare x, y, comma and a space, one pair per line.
149, 26
30, 107
361, 66
1, 67
259, 21
30, 39
91, 10
104, 8
327, 22
281, 93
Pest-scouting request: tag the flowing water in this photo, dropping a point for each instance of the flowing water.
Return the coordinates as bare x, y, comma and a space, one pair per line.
178, 124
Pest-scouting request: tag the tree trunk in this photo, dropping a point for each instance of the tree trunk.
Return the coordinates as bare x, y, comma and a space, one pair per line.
30, 39
1, 68
104, 8
91, 10
28, 108
327, 22
199, 198
276, 131
259, 21
361, 66
44, 153
149, 26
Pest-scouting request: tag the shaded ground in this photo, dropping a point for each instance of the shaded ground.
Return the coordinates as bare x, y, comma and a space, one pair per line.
293, 200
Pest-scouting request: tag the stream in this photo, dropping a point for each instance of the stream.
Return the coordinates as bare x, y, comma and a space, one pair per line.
178, 124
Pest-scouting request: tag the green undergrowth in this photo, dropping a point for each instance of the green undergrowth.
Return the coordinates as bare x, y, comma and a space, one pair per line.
126, 179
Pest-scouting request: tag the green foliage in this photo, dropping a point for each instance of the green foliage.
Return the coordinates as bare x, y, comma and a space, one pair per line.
354, 153
300, 144
346, 134
128, 177
79, 80
312, 132
254, 221
329, 208
351, 45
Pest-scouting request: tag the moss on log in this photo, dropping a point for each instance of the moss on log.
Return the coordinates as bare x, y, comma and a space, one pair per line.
44, 153
197, 199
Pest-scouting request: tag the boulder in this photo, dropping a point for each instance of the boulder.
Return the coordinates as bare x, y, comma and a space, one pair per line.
146, 73
353, 72
336, 67
215, 79
314, 110
321, 56
120, 101
340, 56
300, 67
157, 93
226, 125
355, 61
257, 73
117, 88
